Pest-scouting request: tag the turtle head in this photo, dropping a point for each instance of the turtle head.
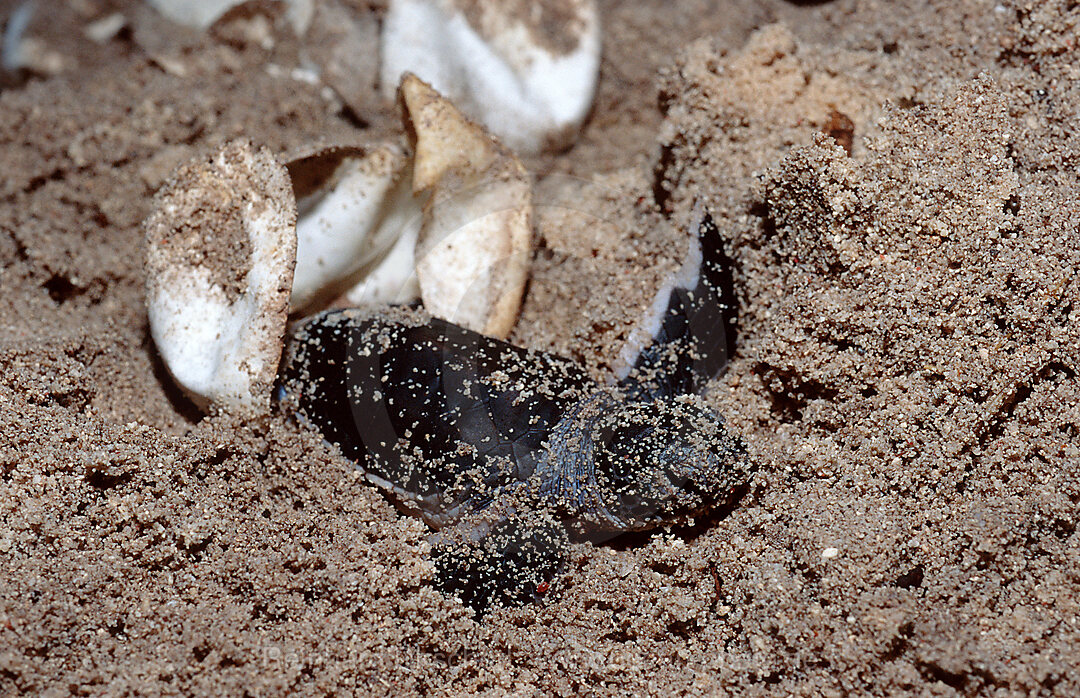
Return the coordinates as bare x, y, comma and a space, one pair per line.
661, 461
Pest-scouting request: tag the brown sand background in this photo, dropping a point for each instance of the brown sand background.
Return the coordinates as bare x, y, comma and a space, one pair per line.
907, 378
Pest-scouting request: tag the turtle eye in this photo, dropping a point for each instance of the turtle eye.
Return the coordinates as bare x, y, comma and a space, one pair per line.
621, 452
639, 476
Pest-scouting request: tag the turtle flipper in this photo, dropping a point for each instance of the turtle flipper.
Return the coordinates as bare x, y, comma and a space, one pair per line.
508, 561
439, 415
692, 323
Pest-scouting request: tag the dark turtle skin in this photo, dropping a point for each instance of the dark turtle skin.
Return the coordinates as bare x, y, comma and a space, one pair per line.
509, 452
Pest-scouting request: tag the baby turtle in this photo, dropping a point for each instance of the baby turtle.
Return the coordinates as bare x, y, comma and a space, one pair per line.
507, 452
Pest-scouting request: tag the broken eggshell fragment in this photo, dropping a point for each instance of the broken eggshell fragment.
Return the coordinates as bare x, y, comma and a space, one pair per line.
221, 248
354, 204
453, 226
474, 245
527, 71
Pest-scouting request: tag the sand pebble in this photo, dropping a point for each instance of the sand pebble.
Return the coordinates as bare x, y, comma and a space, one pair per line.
203, 13
106, 28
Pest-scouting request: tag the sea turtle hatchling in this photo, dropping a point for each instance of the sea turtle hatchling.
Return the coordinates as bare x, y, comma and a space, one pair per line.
507, 452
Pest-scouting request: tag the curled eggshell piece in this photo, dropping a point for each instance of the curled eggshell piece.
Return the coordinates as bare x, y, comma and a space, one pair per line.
354, 204
526, 70
392, 279
472, 255
221, 248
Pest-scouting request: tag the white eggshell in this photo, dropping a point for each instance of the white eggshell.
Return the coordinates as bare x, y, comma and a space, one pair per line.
530, 92
340, 229
392, 279
221, 248
475, 242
